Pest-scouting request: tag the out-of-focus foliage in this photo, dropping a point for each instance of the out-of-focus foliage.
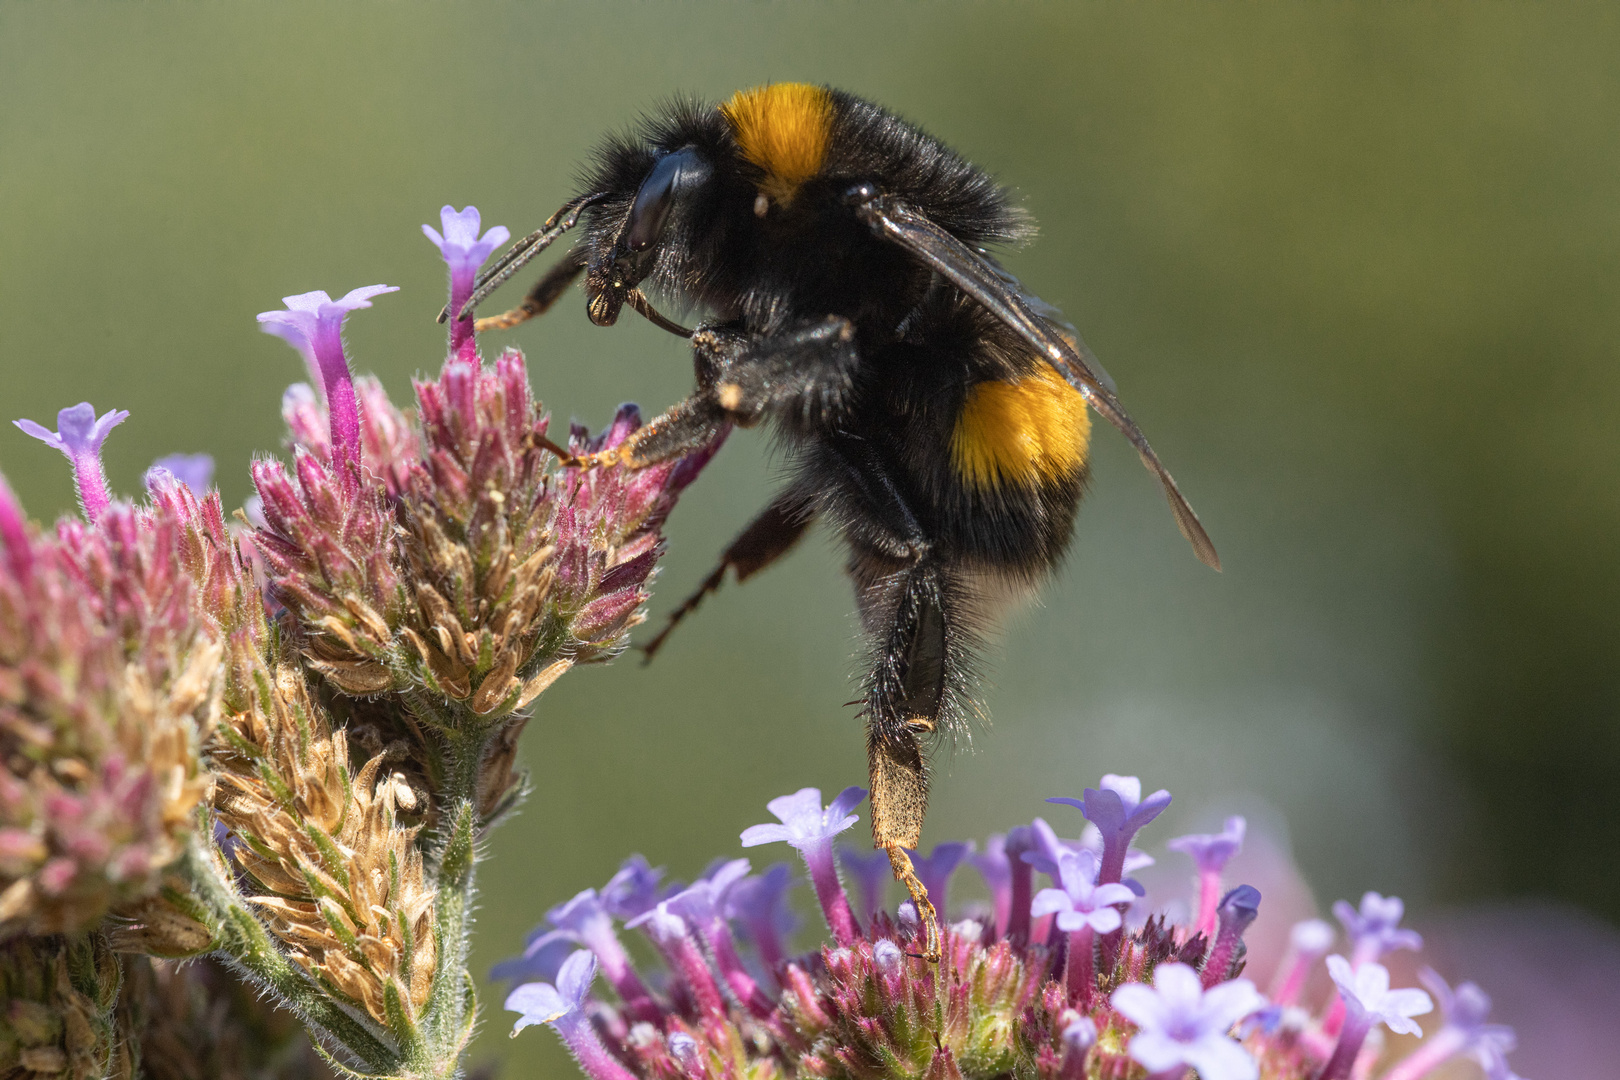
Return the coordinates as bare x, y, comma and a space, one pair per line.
1354, 270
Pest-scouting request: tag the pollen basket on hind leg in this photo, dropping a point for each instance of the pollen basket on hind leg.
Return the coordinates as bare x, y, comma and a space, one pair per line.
1022, 432
783, 128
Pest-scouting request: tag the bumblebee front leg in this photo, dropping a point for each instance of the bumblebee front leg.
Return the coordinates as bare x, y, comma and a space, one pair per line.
546, 292
802, 376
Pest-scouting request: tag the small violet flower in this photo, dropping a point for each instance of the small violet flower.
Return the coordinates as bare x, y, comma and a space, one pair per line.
935, 869
1119, 811
563, 1007
1308, 942
1368, 1000
871, 872
1375, 928
464, 252
196, 471
634, 889
1465, 1032
79, 434
1083, 909
759, 903
1081, 902
1179, 1023
810, 829
996, 869
1210, 853
313, 324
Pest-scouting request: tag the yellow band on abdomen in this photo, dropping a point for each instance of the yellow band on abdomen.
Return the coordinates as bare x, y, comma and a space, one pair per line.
1022, 432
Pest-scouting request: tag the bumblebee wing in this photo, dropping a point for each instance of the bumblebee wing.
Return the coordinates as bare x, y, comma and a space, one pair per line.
905, 225
1054, 318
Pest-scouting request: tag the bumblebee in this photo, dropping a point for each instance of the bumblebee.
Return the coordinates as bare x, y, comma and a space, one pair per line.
933, 410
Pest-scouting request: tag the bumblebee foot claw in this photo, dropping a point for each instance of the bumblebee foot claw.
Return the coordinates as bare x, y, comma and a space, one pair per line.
927, 917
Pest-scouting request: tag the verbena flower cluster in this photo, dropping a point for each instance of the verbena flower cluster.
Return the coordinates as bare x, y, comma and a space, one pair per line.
246, 764
1073, 981
277, 742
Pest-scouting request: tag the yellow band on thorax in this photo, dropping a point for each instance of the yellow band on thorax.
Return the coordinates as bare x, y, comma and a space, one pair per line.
783, 128
1021, 432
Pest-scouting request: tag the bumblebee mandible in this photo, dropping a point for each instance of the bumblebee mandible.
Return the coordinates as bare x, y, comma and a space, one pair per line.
934, 411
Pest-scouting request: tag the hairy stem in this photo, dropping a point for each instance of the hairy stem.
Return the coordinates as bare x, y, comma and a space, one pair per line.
447, 1019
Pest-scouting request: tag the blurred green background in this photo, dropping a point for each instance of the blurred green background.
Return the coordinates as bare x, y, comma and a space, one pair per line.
1354, 269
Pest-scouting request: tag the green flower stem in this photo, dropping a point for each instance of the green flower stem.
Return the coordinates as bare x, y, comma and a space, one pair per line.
451, 1009
242, 938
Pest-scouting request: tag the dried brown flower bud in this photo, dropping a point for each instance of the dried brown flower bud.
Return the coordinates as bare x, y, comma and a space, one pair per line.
56, 1003
342, 883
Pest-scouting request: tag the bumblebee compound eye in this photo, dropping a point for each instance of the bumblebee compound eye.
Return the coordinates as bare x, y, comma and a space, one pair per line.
674, 173
863, 192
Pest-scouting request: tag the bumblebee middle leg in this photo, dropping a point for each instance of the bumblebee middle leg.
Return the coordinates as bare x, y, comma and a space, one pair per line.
767, 538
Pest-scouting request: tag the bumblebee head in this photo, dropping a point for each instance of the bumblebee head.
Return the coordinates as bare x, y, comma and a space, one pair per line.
675, 180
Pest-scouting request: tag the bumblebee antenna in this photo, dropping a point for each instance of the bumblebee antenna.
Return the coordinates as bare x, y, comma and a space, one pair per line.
518, 255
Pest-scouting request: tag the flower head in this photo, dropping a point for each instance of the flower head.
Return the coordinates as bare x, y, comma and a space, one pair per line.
1366, 993
79, 434
1119, 811
1179, 1023
1210, 852
1375, 928
545, 1003
810, 827
804, 822
1081, 902
464, 252
313, 324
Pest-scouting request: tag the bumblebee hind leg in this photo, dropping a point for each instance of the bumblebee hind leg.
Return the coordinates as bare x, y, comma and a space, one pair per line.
909, 690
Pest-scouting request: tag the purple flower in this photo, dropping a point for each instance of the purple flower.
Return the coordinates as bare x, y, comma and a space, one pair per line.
1079, 1035
1465, 1031
1179, 1023
583, 920
1375, 929
14, 533
810, 829
1236, 913
887, 956
313, 324
79, 434
563, 1007
670, 932
1211, 851
804, 823
684, 1049
935, 871
703, 905
1368, 1001
759, 903
464, 251
1308, 942
634, 889
1081, 902
1119, 811
871, 872
996, 868
196, 471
